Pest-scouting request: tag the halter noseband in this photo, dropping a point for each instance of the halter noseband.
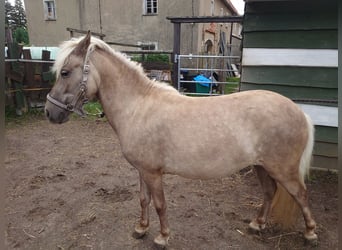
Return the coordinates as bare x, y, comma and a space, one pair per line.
76, 105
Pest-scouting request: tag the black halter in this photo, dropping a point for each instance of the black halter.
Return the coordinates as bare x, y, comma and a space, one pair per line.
76, 105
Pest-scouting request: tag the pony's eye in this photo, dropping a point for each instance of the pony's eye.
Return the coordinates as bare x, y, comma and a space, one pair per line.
65, 73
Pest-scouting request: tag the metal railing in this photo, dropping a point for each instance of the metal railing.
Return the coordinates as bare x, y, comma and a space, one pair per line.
30, 61
208, 66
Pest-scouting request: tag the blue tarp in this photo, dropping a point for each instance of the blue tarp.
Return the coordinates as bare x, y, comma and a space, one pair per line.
201, 79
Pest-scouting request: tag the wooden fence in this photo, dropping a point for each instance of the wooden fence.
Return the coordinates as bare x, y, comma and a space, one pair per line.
27, 80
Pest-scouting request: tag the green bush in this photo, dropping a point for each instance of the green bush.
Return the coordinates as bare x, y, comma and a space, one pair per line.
151, 58
21, 36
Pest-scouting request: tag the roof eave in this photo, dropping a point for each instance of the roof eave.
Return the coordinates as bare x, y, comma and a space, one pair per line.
231, 7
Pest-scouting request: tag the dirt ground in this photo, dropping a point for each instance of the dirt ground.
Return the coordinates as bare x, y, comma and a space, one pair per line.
69, 187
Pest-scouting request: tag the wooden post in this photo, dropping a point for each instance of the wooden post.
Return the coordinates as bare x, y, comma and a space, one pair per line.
45, 67
8, 35
16, 76
46, 57
29, 69
176, 52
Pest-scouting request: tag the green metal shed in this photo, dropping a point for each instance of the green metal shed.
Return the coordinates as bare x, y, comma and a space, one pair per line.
290, 47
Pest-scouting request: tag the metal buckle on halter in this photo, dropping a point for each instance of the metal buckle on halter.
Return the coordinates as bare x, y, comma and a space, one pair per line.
86, 69
70, 107
83, 87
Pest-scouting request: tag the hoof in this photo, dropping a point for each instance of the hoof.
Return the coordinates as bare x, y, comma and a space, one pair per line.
311, 239
161, 241
139, 231
254, 226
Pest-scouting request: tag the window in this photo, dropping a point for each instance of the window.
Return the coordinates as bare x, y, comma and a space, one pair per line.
49, 10
148, 45
150, 7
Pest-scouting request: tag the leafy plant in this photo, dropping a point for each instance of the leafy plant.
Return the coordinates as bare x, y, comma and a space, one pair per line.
93, 107
21, 36
151, 58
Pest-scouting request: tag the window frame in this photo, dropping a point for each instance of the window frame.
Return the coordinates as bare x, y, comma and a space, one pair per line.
150, 7
49, 10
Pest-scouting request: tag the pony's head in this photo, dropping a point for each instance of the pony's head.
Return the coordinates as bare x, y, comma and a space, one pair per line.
76, 79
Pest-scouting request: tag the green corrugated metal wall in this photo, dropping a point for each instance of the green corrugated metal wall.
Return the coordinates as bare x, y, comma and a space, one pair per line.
291, 26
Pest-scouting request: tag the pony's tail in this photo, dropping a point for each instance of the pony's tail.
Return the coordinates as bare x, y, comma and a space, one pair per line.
285, 210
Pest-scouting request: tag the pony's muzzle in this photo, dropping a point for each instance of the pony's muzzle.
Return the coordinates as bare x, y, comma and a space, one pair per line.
56, 114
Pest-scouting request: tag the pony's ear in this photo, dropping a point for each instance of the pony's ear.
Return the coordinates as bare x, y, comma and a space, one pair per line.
83, 45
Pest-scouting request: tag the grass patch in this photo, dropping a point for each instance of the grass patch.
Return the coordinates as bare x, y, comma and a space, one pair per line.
323, 176
233, 86
11, 117
93, 110
93, 107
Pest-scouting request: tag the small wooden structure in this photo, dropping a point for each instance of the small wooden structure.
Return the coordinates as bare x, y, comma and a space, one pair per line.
27, 80
291, 47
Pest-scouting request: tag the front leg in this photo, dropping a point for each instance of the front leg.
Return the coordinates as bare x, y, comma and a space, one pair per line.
145, 199
155, 184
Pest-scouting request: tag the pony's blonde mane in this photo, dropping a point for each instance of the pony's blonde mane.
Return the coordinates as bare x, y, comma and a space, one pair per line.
67, 47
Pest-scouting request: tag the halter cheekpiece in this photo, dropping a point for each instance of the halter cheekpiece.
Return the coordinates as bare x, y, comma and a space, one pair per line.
76, 105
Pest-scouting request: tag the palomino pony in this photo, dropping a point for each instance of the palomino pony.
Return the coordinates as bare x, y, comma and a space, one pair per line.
163, 132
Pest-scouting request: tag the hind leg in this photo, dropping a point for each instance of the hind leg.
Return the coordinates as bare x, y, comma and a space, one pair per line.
299, 193
268, 187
